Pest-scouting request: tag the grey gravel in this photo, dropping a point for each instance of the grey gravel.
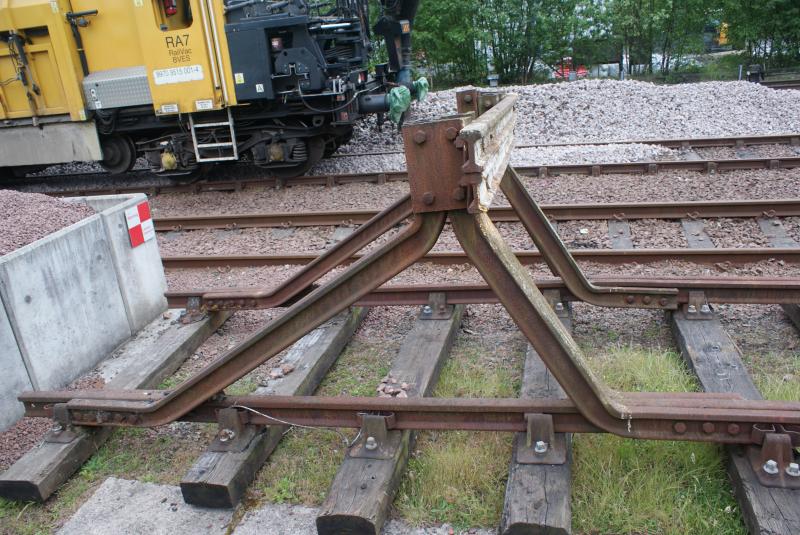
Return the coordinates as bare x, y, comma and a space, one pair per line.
27, 217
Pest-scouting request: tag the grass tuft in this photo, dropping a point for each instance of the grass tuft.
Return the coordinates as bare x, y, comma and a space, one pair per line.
627, 486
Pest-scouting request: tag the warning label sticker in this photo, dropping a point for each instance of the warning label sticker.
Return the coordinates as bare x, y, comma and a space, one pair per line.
177, 75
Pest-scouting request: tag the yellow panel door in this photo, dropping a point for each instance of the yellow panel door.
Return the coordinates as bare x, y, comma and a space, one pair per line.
178, 46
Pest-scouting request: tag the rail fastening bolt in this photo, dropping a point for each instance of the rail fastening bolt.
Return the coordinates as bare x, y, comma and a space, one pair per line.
771, 467
226, 434
371, 444
559, 307
705, 309
793, 469
427, 309
691, 309
540, 448
57, 427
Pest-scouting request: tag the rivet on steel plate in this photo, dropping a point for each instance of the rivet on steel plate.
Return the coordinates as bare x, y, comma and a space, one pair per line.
428, 197
540, 448
679, 427
630, 299
451, 133
420, 137
708, 428
733, 429
662, 301
371, 444
771, 467
467, 98
793, 469
646, 299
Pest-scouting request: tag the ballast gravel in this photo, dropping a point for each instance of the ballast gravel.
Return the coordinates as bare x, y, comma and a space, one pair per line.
27, 217
612, 110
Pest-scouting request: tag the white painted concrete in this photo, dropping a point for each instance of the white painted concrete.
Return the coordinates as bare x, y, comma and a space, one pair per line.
71, 298
13, 375
62, 296
122, 507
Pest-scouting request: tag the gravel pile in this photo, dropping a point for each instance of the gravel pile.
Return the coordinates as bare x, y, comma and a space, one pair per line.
610, 110
27, 217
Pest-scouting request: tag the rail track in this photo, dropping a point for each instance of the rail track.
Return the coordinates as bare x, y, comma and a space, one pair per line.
781, 84
556, 212
709, 257
236, 177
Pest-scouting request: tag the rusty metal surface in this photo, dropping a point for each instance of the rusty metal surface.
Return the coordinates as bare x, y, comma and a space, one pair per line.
563, 264
168, 186
434, 164
730, 290
554, 212
709, 257
488, 142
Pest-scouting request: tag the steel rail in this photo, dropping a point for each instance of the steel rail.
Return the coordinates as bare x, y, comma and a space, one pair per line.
672, 143
781, 84
446, 258
555, 212
729, 290
595, 169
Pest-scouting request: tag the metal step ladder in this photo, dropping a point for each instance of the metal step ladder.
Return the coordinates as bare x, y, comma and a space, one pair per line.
219, 151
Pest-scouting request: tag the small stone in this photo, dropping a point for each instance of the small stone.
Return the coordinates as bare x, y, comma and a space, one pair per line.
287, 368
788, 377
402, 394
275, 373
389, 390
404, 386
584, 231
166, 315
393, 380
380, 387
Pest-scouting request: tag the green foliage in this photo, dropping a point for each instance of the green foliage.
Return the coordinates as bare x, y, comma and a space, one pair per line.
461, 41
768, 29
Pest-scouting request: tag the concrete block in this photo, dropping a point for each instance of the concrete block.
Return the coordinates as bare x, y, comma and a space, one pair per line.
14, 376
129, 507
63, 301
139, 270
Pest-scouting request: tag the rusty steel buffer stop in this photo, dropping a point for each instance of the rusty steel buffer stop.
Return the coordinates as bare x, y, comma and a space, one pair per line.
456, 166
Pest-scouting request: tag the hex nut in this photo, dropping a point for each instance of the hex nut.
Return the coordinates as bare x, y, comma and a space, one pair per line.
371, 444
771, 467
540, 448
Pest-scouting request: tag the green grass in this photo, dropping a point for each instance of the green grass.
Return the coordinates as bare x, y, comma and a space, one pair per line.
130, 453
626, 486
459, 477
302, 467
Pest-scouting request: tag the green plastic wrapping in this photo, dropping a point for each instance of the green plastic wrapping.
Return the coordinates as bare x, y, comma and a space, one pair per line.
399, 100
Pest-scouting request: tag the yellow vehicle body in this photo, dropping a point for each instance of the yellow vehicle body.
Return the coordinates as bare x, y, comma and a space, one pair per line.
184, 55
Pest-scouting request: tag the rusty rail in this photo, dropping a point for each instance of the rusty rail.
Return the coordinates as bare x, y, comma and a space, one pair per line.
446, 258
501, 214
591, 169
730, 290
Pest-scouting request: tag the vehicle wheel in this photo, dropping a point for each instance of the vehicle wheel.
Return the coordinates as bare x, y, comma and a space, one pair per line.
119, 154
315, 147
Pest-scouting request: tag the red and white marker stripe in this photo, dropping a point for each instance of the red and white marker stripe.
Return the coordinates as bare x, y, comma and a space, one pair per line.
140, 224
